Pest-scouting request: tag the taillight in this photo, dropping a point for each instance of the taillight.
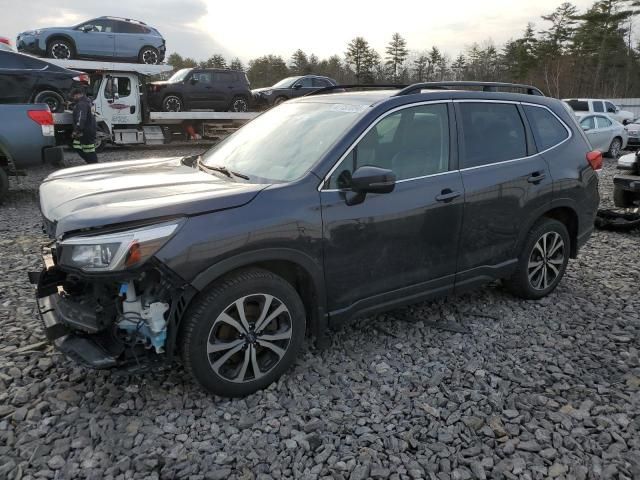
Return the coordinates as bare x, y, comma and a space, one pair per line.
595, 160
44, 118
5, 40
84, 78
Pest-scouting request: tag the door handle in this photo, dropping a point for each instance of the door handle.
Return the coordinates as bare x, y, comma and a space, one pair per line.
536, 177
447, 195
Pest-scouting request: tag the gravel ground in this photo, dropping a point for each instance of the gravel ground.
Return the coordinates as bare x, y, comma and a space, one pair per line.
546, 389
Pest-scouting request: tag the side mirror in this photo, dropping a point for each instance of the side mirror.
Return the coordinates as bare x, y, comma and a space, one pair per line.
297, 86
626, 121
586, 128
88, 28
369, 179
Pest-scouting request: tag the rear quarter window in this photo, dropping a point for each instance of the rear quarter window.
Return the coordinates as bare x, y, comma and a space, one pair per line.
547, 130
578, 105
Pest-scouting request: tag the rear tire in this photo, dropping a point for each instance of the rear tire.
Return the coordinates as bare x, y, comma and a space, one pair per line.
542, 262
172, 103
60, 49
54, 100
149, 56
243, 333
614, 148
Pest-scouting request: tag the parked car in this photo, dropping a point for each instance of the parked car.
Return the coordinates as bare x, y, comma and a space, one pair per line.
290, 87
26, 79
325, 208
5, 44
633, 132
201, 88
626, 184
604, 134
27, 139
108, 38
583, 106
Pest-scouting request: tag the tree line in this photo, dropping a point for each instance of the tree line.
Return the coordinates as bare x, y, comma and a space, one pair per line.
573, 54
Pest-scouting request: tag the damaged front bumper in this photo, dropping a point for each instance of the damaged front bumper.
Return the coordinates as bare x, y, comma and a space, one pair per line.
92, 333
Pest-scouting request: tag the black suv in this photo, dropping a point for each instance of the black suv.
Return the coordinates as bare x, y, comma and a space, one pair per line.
324, 208
201, 88
25, 79
291, 87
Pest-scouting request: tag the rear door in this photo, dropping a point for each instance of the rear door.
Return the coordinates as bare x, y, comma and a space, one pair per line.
598, 138
401, 244
226, 86
17, 80
130, 38
505, 183
100, 41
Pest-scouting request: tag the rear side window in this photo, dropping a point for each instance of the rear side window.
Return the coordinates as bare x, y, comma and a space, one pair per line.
222, 77
578, 105
492, 132
126, 27
320, 82
598, 107
11, 61
548, 131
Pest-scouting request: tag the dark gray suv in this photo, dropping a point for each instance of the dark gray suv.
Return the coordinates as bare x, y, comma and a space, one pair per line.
327, 207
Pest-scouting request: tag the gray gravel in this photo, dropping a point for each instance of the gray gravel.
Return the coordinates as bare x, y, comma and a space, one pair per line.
547, 389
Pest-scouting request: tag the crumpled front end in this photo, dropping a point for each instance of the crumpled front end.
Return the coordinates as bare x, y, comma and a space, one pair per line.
127, 320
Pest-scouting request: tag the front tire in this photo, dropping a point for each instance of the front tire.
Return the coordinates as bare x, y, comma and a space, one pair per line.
60, 49
614, 148
243, 333
149, 56
279, 100
239, 104
542, 262
172, 103
53, 99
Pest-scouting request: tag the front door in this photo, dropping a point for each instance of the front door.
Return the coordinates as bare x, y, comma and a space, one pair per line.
400, 245
199, 90
99, 41
505, 182
598, 138
305, 86
119, 102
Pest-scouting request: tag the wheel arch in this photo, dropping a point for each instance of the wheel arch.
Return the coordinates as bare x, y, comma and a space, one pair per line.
61, 36
563, 211
296, 267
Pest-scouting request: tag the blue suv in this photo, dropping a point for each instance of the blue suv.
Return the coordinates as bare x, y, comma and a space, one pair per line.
108, 38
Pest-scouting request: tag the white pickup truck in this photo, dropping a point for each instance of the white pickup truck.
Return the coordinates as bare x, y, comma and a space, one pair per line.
596, 105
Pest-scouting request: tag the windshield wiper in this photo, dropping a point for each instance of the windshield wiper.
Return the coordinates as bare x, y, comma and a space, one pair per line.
222, 169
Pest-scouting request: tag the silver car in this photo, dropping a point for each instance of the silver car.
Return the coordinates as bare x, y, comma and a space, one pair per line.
605, 134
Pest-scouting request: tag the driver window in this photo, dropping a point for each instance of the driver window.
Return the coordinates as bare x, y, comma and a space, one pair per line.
306, 82
413, 143
611, 108
202, 77
105, 26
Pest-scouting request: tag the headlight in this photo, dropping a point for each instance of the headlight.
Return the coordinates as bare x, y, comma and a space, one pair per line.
266, 93
32, 32
116, 251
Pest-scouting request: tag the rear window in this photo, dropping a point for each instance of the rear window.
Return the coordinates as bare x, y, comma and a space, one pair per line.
492, 132
578, 105
548, 131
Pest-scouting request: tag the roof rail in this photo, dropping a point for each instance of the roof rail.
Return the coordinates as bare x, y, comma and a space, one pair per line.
486, 87
344, 87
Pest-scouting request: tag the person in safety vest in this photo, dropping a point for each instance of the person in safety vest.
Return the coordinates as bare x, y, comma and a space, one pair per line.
84, 126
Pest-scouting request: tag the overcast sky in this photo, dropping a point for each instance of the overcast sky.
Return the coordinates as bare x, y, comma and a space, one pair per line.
250, 28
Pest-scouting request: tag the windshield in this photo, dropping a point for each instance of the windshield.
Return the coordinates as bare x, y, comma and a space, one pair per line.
287, 82
283, 143
179, 76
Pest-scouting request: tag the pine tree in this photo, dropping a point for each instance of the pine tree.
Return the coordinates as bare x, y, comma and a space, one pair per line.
420, 68
299, 63
236, 64
396, 55
358, 55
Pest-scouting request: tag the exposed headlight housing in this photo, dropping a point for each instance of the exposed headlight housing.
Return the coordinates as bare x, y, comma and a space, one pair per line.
32, 32
266, 93
116, 251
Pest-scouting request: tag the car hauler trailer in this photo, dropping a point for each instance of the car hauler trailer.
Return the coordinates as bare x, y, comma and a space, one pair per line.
123, 116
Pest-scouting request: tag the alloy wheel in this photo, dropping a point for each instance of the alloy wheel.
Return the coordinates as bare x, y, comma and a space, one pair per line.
173, 104
249, 338
240, 105
53, 103
546, 261
614, 150
61, 51
150, 57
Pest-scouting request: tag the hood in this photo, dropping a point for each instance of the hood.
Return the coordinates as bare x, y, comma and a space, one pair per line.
106, 194
161, 82
260, 90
